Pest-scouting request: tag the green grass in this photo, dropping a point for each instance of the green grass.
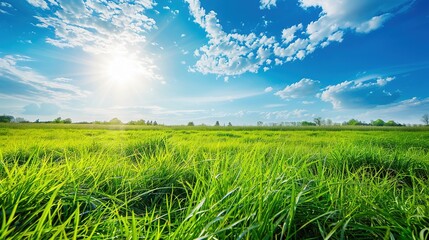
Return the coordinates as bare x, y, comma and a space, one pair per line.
119, 182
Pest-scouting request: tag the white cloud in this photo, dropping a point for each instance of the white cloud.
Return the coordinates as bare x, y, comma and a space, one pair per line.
220, 98
228, 54
106, 28
275, 105
268, 89
39, 3
406, 111
5, 5
364, 93
304, 88
288, 34
96, 26
57, 89
267, 4
361, 16
235, 54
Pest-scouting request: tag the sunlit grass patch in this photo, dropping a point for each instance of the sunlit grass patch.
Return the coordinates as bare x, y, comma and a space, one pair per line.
213, 184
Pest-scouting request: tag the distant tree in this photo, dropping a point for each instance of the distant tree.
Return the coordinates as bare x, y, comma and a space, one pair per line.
354, 122
425, 119
6, 118
57, 120
155, 123
318, 121
260, 123
115, 121
229, 124
138, 122
329, 122
191, 124
217, 124
67, 121
305, 123
378, 123
37, 121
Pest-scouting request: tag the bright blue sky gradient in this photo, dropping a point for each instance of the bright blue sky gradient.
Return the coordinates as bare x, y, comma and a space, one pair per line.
203, 61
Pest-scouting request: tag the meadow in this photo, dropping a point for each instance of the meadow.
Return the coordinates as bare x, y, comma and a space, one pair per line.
117, 182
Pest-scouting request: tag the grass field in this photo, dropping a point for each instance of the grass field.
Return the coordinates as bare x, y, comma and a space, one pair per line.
76, 182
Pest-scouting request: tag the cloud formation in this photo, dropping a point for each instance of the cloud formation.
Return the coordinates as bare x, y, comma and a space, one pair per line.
228, 53
409, 110
96, 26
304, 88
4, 6
235, 54
37, 84
267, 4
365, 93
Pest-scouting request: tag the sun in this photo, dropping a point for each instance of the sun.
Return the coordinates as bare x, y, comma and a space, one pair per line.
122, 69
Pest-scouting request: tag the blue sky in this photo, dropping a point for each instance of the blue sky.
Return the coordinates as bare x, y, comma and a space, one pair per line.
204, 60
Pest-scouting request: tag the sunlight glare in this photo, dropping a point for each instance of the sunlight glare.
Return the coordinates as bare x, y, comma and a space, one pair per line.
121, 69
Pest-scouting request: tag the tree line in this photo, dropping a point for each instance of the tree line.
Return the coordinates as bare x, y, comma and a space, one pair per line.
113, 121
317, 121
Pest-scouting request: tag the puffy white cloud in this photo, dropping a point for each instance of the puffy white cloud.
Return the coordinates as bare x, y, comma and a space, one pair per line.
288, 34
361, 16
364, 93
235, 54
106, 28
96, 26
39, 3
304, 88
267, 4
228, 54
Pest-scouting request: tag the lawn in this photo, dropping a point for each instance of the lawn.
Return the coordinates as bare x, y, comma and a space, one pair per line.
118, 182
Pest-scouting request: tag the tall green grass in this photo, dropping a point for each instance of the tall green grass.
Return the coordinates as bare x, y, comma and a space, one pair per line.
190, 183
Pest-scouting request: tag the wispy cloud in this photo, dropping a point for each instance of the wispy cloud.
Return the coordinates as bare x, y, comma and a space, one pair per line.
43, 109
361, 93
4, 6
268, 89
38, 85
220, 98
296, 114
406, 111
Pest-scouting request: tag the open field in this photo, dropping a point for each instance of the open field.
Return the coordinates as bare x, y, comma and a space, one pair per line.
106, 182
